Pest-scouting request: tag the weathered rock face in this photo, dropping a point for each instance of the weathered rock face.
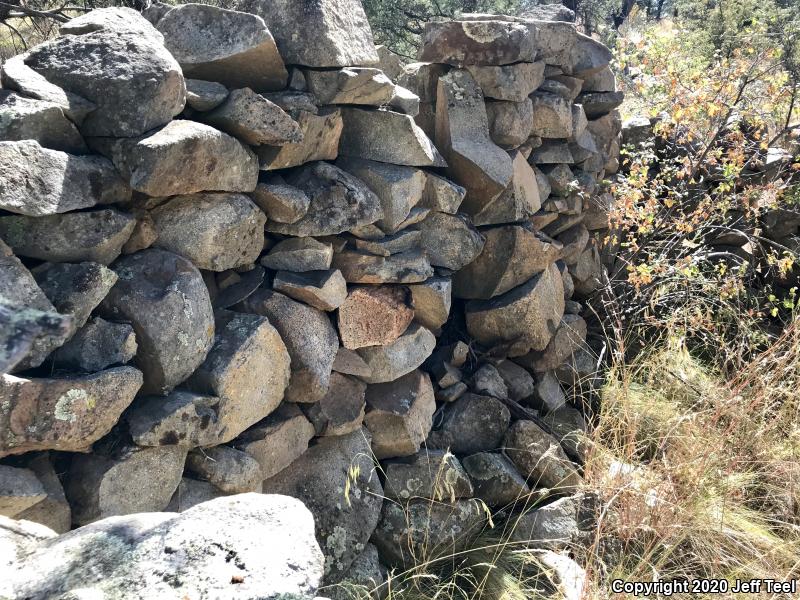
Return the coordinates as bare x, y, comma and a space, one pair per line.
23, 118
290, 250
331, 33
309, 337
96, 236
184, 157
133, 81
339, 202
163, 297
461, 43
203, 538
215, 231
247, 368
199, 37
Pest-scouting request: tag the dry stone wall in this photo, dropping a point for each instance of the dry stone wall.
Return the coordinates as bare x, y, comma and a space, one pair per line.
235, 258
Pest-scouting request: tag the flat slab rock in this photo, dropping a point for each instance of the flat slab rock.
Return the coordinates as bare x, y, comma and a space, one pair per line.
185, 157
461, 43
37, 181
67, 414
203, 539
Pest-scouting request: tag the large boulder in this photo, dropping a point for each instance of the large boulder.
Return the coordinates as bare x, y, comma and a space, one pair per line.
231, 47
96, 236
524, 318
185, 157
68, 414
462, 132
461, 43
314, 33
216, 232
247, 369
24, 118
215, 549
134, 82
310, 339
339, 202
336, 480
163, 296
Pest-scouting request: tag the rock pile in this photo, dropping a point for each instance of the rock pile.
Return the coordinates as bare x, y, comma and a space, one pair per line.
253, 262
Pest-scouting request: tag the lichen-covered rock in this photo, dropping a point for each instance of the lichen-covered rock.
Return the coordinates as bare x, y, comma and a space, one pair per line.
332, 33
134, 82
432, 474
162, 295
399, 414
247, 368
28, 333
97, 345
68, 414
336, 480
277, 441
185, 157
374, 316
325, 290
231, 47
199, 544
351, 85
450, 241
513, 82
179, 419
254, 120
339, 202
299, 255
321, 135
75, 289
438, 528
310, 339
16, 75
37, 181
341, 410
496, 481
472, 424
398, 188
215, 231
411, 266
24, 118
